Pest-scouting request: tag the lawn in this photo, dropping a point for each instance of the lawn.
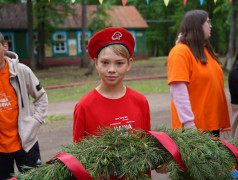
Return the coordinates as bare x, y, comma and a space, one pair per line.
75, 74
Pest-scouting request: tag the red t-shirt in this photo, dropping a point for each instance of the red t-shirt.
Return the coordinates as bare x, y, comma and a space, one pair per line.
9, 138
94, 111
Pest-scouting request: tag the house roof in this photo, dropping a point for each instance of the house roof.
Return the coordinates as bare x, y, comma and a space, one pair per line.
14, 16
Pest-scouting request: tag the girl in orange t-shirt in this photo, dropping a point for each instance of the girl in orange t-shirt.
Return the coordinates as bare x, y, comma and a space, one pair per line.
196, 78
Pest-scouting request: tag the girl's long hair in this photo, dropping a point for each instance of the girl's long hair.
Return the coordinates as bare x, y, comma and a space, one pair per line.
192, 35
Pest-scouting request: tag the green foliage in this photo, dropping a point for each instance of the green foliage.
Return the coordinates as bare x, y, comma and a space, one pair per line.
164, 22
10, 2
51, 14
163, 25
125, 154
222, 24
159, 34
101, 19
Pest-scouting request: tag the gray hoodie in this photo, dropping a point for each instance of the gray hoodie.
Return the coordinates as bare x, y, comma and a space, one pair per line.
26, 84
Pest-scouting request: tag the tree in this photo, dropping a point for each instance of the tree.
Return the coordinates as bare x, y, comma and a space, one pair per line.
236, 52
84, 28
48, 17
164, 22
231, 43
10, 1
220, 26
99, 21
30, 34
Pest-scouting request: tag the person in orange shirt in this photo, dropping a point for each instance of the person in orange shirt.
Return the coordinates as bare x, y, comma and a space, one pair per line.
18, 123
196, 78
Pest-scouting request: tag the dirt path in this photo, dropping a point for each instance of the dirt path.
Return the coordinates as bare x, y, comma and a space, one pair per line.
53, 136
60, 132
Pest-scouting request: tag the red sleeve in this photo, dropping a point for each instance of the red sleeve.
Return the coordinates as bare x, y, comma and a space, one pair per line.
147, 117
79, 123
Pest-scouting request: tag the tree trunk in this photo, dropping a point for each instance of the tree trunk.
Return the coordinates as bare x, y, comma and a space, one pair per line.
41, 44
30, 35
156, 49
236, 52
84, 27
41, 47
90, 68
231, 38
216, 41
92, 64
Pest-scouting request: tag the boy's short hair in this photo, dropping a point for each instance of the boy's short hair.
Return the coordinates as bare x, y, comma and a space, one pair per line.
119, 50
2, 38
109, 36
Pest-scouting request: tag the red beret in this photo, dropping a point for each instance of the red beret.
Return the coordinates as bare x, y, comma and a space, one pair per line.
109, 36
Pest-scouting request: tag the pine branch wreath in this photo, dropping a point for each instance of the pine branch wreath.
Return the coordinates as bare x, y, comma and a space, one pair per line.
130, 155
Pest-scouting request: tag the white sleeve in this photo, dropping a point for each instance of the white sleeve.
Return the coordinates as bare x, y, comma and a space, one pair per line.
180, 96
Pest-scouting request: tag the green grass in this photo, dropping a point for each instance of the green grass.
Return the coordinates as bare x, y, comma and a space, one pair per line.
69, 93
76, 92
149, 86
75, 74
52, 118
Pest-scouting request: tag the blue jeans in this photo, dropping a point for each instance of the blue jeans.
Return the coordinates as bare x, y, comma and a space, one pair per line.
31, 158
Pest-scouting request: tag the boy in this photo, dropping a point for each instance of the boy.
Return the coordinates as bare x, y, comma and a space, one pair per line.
18, 123
111, 104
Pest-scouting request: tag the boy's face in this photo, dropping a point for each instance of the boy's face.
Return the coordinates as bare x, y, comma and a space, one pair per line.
111, 67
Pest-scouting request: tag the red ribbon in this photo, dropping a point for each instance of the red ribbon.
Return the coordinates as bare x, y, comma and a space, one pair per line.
233, 149
171, 146
74, 166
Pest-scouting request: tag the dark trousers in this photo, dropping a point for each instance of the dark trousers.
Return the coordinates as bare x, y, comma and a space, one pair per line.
216, 133
31, 158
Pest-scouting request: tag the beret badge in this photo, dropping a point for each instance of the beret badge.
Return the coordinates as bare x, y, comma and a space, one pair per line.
117, 36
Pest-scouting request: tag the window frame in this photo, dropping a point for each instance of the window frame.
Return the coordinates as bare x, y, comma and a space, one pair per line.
79, 33
12, 39
55, 51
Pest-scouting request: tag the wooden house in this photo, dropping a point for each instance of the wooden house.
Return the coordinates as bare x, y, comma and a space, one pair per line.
67, 49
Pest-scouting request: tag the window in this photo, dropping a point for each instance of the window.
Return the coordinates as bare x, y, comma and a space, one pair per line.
79, 37
9, 39
35, 41
60, 45
134, 35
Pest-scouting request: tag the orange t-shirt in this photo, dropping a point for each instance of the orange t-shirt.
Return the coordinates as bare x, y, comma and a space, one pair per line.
9, 138
205, 85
